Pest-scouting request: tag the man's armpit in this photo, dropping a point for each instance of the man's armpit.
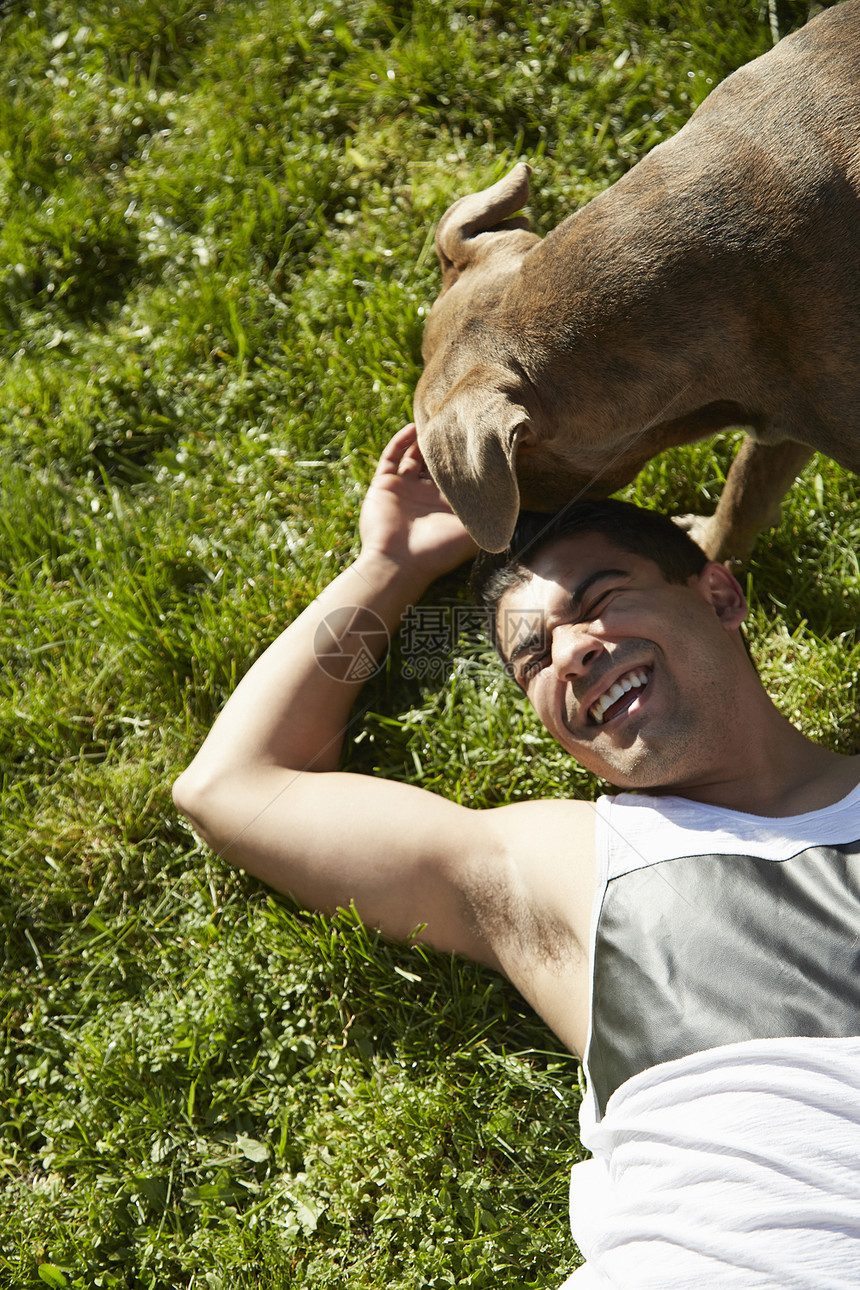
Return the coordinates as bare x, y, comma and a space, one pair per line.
501, 912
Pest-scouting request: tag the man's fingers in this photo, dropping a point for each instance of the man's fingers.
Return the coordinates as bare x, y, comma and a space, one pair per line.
395, 450
412, 463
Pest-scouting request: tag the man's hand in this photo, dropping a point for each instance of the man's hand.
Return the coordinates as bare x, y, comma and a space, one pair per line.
406, 519
290, 712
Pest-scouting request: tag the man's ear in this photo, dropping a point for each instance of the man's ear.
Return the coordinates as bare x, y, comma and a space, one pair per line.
722, 590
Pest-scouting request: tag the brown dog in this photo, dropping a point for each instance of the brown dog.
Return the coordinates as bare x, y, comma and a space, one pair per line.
716, 284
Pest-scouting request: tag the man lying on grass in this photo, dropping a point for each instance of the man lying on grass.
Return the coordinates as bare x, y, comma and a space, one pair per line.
714, 992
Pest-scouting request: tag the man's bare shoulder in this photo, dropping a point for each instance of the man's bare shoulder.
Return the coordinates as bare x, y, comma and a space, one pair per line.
549, 812
532, 904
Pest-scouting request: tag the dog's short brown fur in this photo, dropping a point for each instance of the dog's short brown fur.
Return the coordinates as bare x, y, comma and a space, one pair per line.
716, 284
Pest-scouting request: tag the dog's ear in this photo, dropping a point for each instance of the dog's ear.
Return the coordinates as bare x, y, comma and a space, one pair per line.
470, 447
488, 212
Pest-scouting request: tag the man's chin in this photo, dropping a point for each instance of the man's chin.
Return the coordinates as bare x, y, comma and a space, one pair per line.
637, 768
625, 765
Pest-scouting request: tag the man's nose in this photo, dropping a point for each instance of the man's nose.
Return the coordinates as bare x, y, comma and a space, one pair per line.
574, 648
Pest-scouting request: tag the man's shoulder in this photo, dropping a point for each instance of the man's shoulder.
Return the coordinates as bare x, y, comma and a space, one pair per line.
546, 824
533, 903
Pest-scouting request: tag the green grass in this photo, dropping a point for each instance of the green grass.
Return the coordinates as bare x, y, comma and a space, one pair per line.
216, 257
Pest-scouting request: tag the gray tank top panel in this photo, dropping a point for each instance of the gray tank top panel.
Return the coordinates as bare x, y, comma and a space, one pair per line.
705, 950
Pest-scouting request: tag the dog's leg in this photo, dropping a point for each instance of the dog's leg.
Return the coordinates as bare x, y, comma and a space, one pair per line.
759, 478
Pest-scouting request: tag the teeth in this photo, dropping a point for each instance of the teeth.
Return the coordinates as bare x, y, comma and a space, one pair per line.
632, 681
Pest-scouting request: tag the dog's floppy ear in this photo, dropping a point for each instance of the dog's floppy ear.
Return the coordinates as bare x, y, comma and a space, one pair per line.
487, 212
470, 447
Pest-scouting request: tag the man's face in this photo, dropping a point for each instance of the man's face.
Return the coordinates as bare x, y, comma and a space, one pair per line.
633, 675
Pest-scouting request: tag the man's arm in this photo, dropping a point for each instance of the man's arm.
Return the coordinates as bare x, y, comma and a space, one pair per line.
264, 790
265, 793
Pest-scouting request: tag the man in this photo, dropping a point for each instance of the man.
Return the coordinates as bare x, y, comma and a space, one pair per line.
715, 998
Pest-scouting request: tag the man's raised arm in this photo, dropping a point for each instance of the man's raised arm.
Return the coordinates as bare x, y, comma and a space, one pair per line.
264, 791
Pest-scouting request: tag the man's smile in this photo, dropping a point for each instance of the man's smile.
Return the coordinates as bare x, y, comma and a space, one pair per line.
618, 696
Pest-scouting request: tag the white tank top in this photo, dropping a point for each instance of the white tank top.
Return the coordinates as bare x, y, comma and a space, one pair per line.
723, 1113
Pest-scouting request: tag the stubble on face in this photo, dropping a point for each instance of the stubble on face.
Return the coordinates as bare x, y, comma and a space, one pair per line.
681, 746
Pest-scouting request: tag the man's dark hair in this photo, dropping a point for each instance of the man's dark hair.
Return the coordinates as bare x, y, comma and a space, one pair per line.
641, 532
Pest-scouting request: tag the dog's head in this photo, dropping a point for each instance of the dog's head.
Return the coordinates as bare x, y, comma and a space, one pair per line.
549, 371
472, 402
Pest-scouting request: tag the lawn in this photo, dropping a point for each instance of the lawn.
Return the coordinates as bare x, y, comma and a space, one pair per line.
217, 228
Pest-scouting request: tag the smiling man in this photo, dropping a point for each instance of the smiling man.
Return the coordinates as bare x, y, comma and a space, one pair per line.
695, 941
626, 641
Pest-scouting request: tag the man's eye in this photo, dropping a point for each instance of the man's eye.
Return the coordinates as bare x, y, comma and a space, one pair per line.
533, 666
592, 609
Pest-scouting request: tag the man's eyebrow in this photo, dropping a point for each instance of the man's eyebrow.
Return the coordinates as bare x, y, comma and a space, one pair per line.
579, 592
